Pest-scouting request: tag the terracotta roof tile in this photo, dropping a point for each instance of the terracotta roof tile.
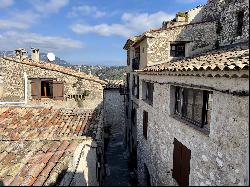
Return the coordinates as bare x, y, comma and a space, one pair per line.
114, 84
55, 67
38, 154
222, 60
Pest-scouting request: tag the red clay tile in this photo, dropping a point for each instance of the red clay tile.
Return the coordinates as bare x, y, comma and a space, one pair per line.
56, 157
45, 172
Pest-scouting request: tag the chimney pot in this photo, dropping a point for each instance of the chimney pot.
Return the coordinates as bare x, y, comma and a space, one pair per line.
35, 54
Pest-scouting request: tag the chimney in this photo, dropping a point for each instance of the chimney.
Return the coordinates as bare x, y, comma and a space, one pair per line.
35, 54
21, 53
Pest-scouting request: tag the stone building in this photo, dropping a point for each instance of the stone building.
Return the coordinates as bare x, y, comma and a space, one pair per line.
51, 124
187, 98
37, 83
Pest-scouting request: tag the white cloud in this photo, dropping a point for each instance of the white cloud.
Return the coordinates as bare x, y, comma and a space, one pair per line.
51, 6
10, 24
131, 24
85, 10
11, 40
19, 20
6, 3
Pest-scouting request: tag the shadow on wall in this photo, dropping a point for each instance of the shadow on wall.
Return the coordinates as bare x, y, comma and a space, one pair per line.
86, 168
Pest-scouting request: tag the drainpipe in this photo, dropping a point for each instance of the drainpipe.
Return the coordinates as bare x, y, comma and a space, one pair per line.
25, 92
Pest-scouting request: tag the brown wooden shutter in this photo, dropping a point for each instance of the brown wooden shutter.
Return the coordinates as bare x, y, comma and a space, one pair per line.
181, 163
177, 161
36, 89
145, 124
185, 167
58, 90
138, 87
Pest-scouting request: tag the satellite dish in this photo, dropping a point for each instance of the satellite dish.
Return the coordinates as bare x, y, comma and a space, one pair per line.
51, 57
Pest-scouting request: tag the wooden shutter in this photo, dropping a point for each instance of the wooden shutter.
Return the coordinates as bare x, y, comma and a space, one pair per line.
145, 124
177, 161
181, 163
185, 167
138, 87
36, 88
58, 90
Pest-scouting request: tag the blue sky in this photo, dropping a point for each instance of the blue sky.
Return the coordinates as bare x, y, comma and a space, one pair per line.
83, 31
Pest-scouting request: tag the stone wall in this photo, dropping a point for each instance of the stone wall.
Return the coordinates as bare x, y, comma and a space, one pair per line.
114, 110
229, 23
13, 86
200, 37
217, 159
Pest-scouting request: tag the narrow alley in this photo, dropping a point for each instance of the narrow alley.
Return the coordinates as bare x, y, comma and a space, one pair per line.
118, 166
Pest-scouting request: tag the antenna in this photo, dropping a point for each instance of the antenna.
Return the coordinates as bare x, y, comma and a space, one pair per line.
51, 57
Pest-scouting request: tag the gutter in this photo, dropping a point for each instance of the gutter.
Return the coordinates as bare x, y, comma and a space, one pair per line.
25, 93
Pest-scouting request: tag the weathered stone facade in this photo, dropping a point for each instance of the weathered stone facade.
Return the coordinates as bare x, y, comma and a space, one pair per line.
13, 86
113, 108
216, 159
219, 156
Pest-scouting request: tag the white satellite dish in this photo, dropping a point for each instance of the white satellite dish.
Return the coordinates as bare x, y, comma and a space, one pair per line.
51, 57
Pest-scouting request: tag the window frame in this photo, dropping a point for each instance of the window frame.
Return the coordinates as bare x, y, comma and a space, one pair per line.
177, 53
148, 92
179, 99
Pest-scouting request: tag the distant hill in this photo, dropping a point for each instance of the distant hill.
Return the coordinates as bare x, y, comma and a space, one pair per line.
43, 57
103, 72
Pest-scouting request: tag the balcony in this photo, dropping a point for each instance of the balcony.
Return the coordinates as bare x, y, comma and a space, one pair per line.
136, 63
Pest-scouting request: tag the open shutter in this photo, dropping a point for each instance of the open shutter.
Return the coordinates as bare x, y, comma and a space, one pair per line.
177, 161
185, 167
58, 90
36, 89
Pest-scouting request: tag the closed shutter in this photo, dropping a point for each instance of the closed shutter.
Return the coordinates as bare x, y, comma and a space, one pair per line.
58, 90
177, 161
145, 124
138, 87
36, 89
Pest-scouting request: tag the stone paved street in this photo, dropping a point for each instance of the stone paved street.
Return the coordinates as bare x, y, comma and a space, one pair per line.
119, 174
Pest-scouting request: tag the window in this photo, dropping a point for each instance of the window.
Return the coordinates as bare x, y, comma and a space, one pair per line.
47, 88
148, 91
145, 124
177, 50
181, 163
240, 20
128, 57
133, 116
135, 90
194, 106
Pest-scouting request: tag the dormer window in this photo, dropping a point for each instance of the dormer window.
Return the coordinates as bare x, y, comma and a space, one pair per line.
177, 50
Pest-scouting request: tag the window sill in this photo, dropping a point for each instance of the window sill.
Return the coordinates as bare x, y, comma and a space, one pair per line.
148, 102
178, 118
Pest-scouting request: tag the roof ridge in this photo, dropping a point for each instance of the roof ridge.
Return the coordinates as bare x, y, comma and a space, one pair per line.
58, 68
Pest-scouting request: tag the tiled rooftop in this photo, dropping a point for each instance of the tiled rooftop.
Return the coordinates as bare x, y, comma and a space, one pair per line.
221, 60
55, 67
37, 145
112, 84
